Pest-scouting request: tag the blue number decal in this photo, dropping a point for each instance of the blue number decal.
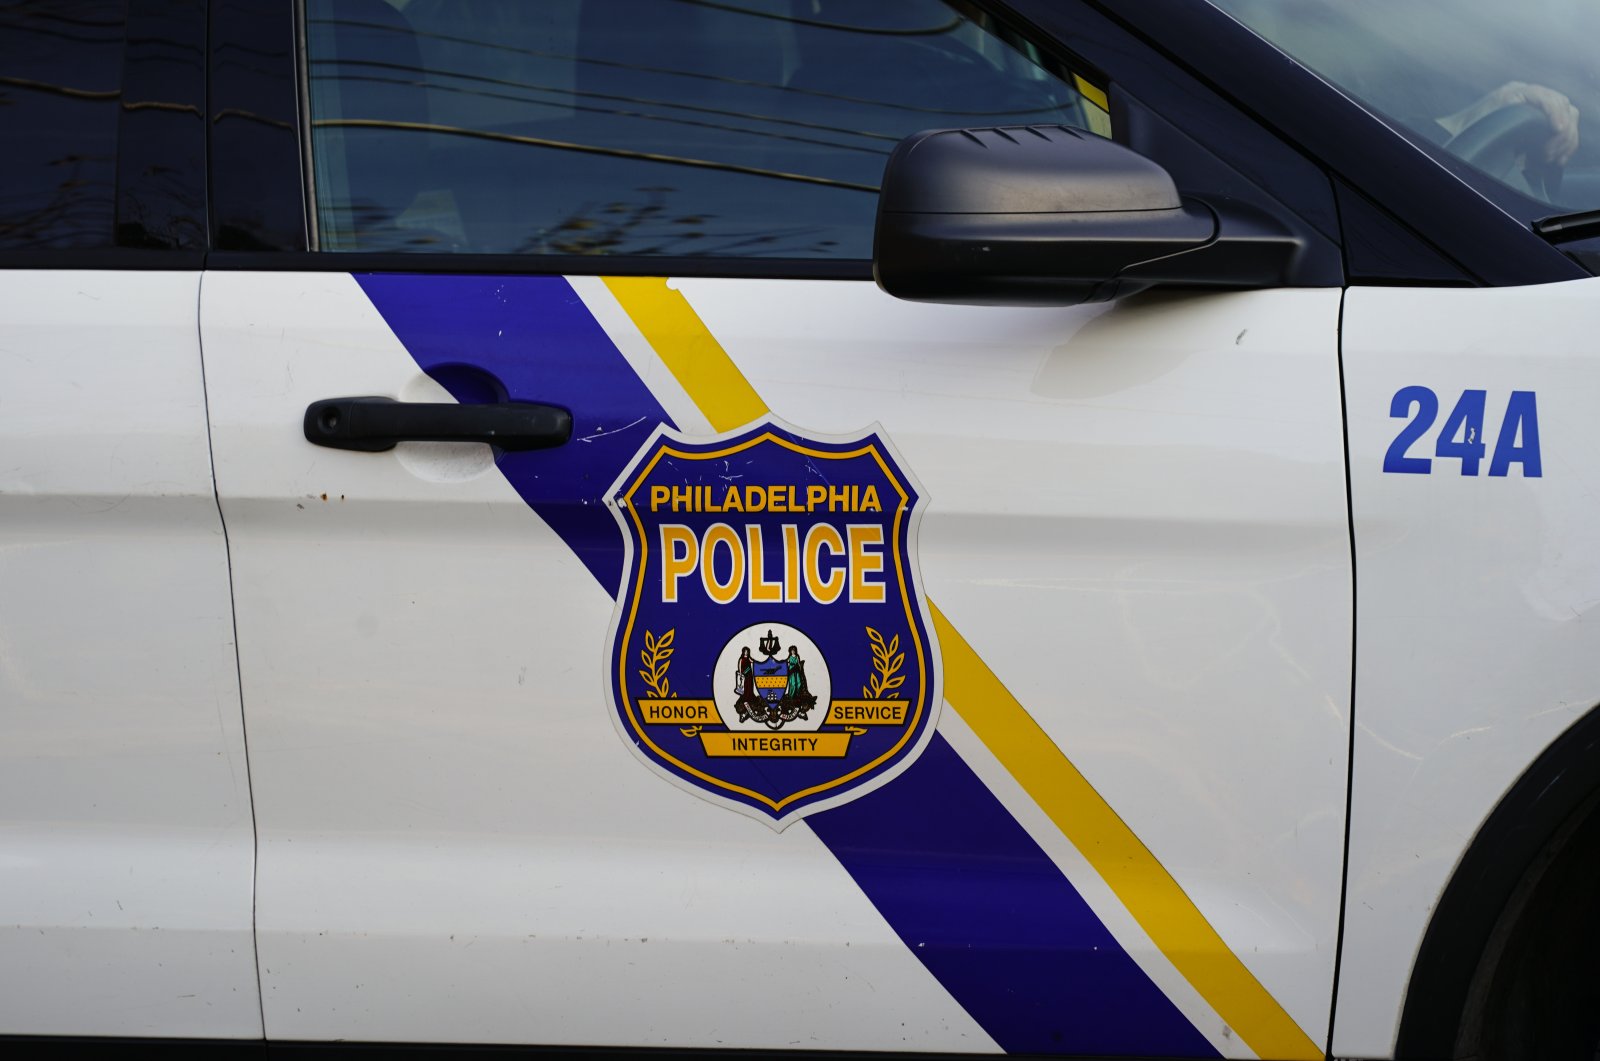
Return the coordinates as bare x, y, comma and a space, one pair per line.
1462, 437
1466, 421
1522, 412
1427, 404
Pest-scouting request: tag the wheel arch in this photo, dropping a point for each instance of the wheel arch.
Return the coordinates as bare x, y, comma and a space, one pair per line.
1520, 838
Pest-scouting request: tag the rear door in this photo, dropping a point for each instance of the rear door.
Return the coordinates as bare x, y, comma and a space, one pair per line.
126, 848
602, 743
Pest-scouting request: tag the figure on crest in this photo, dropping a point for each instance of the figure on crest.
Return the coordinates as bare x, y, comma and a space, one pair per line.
772, 691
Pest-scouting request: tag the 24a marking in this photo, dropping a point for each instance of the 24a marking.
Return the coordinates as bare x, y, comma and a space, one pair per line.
1461, 437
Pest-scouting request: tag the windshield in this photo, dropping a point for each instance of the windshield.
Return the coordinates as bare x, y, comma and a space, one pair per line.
1512, 89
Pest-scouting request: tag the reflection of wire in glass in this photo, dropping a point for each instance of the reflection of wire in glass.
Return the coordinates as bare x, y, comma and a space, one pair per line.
694, 74
928, 31
433, 86
611, 97
58, 90
157, 105
12, 26
75, 19
589, 149
250, 116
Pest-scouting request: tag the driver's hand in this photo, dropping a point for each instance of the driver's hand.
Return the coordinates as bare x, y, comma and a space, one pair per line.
1558, 108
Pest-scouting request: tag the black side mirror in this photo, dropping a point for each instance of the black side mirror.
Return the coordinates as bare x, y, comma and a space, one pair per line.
1050, 216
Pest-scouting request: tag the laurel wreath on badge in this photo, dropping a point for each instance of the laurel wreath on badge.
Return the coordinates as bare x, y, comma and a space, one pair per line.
886, 663
655, 655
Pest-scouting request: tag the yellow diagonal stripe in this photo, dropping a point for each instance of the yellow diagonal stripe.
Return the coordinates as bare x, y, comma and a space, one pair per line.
1155, 900
690, 351
1176, 926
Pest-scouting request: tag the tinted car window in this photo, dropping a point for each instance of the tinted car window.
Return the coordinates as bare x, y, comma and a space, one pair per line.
1512, 90
60, 76
731, 128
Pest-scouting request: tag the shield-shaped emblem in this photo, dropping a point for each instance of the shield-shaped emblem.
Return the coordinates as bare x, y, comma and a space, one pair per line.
771, 648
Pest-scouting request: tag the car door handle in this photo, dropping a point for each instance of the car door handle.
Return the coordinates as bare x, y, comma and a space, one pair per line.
373, 425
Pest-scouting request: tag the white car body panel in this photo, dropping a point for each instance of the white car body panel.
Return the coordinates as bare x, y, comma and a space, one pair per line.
125, 896
1474, 648
456, 846
1148, 494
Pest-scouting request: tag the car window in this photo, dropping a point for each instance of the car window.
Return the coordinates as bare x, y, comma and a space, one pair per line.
60, 77
1512, 90
725, 128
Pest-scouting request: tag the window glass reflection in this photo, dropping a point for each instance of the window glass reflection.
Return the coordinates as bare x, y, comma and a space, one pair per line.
735, 128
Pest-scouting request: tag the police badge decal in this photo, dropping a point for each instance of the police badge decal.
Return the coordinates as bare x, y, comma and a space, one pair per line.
771, 649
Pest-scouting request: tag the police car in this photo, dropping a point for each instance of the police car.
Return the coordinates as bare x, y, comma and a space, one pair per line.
938, 526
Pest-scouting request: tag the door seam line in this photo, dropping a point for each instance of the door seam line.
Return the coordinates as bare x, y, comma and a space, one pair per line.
1350, 746
238, 671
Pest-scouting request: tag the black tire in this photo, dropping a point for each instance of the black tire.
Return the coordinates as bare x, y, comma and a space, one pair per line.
1536, 994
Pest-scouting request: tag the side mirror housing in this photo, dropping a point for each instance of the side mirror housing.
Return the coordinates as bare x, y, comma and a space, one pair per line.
1050, 216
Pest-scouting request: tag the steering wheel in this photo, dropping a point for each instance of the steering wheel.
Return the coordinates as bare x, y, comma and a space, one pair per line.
1494, 142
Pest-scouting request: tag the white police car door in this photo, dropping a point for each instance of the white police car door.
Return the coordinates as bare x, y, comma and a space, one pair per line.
603, 742
125, 837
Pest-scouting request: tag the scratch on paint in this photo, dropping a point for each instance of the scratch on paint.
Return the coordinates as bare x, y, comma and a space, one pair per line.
814, 470
613, 431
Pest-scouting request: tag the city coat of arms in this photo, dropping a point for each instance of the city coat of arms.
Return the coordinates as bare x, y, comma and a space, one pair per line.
771, 648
